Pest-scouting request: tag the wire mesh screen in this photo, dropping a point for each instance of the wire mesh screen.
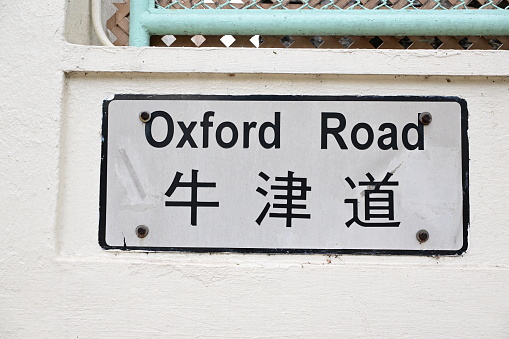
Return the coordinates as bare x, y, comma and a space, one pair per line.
333, 4
118, 24
333, 42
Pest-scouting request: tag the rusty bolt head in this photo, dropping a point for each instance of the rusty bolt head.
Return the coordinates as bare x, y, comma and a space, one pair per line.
425, 118
141, 231
422, 236
145, 117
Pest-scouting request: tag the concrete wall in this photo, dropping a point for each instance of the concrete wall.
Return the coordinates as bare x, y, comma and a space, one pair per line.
56, 282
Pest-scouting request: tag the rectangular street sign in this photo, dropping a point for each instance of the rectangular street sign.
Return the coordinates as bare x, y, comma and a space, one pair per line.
285, 174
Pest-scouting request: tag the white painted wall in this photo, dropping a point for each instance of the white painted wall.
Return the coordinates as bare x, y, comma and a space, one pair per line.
56, 282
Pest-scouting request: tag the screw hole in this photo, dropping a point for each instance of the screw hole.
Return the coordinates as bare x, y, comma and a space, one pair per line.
425, 118
422, 236
141, 231
145, 116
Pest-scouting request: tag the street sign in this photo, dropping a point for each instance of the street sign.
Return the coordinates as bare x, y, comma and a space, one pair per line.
285, 174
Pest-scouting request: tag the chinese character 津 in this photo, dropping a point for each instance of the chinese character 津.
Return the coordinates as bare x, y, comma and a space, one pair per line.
288, 205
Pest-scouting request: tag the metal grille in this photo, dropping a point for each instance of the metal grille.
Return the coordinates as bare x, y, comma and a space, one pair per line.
331, 24
333, 4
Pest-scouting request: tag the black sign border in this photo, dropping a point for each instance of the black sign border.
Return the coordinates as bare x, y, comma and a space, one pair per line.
465, 173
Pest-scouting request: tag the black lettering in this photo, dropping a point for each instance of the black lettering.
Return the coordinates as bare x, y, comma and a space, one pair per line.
186, 136
247, 127
276, 126
392, 135
169, 132
334, 131
206, 124
420, 135
235, 134
355, 131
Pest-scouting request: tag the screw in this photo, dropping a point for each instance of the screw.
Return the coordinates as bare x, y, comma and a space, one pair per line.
422, 236
141, 231
145, 116
425, 118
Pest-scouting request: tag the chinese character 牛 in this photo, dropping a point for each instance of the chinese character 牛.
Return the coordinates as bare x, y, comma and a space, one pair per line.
193, 185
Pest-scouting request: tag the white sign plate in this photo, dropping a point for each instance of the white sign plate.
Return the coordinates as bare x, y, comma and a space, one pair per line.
285, 174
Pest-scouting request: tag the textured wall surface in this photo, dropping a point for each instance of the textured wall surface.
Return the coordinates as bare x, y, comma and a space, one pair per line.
56, 282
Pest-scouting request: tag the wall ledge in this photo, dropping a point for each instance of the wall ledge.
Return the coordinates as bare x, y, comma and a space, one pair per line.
81, 58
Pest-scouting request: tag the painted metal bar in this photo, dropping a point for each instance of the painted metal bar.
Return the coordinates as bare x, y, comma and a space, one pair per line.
325, 22
138, 33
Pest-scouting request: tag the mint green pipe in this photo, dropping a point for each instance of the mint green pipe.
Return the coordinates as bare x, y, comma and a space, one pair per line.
139, 35
318, 22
